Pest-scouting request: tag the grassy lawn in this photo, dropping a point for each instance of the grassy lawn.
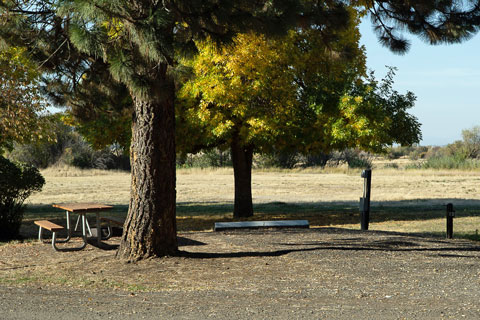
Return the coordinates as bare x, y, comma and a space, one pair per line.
402, 200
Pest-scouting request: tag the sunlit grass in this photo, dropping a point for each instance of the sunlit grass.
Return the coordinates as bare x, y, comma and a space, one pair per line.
325, 197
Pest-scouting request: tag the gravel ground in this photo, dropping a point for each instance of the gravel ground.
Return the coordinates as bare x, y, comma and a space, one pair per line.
323, 273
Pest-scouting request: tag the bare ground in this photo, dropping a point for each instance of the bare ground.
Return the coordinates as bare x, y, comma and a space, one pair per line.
320, 273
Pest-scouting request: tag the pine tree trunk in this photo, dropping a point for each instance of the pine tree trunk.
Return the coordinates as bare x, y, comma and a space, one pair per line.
150, 227
242, 158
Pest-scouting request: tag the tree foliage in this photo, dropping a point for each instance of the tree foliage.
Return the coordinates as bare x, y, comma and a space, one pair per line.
260, 89
105, 128
17, 182
471, 142
298, 93
435, 22
22, 108
293, 93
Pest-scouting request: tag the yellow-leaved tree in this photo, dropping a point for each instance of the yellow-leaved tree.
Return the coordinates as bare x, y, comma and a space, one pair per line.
301, 92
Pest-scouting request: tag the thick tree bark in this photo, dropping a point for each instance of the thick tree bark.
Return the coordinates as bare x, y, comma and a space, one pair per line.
242, 157
150, 227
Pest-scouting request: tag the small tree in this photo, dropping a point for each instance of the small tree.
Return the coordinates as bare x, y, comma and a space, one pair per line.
293, 94
471, 142
17, 182
21, 105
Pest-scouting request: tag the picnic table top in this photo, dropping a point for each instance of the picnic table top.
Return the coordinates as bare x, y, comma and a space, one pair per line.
82, 207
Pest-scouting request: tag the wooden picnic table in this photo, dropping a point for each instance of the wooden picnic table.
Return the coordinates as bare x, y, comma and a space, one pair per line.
82, 209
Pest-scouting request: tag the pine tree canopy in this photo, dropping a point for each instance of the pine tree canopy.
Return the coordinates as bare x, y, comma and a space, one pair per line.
133, 37
434, 21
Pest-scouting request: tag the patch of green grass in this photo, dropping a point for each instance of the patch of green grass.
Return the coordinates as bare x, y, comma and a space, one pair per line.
19, 279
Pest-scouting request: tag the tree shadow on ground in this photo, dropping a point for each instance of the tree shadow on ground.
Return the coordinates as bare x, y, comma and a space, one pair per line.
331, 213
388, 242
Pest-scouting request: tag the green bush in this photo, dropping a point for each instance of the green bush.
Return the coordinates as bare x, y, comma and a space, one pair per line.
215, 158
17, 182
398, 152
418, 153
451, 162
315, 160
355, 159
359, 162
277, 159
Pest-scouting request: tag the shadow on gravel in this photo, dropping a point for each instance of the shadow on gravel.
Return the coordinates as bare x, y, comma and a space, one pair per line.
396, 242
103, 245
182, 241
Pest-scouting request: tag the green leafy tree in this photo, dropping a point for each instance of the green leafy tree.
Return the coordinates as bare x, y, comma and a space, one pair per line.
471, 142
292, 94
99, 108
43, 153
138, 41
22, 109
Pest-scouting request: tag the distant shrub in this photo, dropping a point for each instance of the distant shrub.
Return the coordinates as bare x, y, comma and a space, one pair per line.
451, 162
70, 148
355, 159
418, 153
315, 160
17, 182
359, 163
277, 159
391, 166
415, 165
398, 152
42, 154
215, 158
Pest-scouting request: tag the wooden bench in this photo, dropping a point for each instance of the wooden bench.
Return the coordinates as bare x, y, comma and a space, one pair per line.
50, 226
109, 222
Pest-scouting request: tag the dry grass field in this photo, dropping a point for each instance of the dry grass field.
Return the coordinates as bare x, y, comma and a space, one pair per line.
324, 197
309, 185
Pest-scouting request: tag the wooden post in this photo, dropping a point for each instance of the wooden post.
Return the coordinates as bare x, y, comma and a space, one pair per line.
365, 200
450, 215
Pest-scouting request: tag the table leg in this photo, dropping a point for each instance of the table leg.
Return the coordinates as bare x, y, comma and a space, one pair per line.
84, 231
99, 229
86, 221
69, 230
84, 236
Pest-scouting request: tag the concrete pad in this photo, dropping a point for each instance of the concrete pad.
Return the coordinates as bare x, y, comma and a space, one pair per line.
220, 226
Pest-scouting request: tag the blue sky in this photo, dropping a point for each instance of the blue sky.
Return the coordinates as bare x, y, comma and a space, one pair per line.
445, 79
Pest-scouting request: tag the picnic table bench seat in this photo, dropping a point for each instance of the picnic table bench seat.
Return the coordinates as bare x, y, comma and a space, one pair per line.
50, 226
109, 221
54, 228
45, 224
